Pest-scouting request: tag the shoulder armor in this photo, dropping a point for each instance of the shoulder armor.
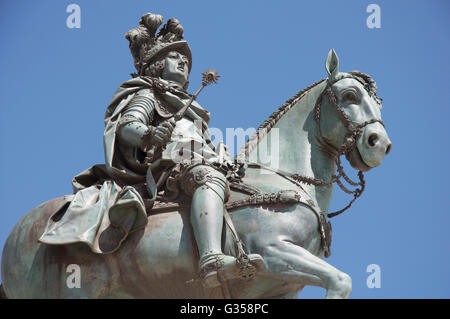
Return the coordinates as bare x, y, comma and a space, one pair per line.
161, 107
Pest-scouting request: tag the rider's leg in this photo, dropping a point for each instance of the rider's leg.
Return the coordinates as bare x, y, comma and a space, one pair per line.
208, 188
207, 222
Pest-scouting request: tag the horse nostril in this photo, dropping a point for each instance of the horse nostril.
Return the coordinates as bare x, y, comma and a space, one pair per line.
373, 139
388, 149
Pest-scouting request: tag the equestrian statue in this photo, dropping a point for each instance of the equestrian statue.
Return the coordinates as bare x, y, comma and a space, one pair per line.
171, 215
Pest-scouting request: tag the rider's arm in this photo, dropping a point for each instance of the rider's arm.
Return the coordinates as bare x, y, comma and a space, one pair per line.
135, 127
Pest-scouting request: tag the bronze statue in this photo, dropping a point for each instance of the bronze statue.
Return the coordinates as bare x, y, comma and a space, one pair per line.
156, 216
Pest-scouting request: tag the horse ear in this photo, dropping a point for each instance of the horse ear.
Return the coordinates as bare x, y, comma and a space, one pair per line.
332, 65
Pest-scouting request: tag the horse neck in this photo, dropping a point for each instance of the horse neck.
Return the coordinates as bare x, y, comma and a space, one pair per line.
292, 146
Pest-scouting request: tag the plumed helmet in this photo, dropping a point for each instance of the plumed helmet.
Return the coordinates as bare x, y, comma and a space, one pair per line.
147, 47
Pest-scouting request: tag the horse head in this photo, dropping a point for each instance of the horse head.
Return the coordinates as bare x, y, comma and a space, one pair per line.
348, 113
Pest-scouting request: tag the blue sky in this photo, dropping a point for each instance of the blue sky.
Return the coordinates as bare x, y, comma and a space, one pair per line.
56, 83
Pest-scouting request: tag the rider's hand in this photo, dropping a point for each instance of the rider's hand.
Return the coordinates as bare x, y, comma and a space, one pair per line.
163, 132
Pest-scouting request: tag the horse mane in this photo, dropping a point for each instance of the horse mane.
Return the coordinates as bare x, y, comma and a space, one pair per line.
365, 79
267, 125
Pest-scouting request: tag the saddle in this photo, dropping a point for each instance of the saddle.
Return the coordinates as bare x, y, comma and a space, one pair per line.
254, 189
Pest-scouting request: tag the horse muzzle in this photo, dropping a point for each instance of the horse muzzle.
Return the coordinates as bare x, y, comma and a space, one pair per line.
372, 146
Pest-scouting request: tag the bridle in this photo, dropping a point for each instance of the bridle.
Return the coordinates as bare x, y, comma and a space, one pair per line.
353, 133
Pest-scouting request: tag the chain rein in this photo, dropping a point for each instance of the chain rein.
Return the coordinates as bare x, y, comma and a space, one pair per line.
353, 133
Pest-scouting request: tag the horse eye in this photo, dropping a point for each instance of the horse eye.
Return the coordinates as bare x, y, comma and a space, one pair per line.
350, 97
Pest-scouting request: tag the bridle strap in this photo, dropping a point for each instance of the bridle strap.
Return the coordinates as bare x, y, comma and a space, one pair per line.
353, 133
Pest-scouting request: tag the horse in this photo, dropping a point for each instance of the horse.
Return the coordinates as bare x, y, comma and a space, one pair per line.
305, 137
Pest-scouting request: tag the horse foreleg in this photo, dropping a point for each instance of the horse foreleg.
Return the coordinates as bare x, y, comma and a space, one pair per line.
292, 263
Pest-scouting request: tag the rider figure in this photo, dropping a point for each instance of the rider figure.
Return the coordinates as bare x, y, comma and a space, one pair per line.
146, 119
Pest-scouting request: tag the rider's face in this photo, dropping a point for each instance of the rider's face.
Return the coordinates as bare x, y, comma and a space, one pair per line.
176, 68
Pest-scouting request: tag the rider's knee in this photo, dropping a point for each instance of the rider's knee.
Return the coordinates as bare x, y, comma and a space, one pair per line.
204, 177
